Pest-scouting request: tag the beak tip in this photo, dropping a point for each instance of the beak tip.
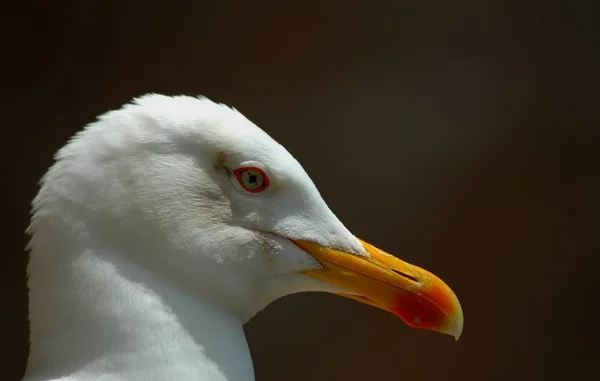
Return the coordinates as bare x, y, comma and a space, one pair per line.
457, 332
457, 323
453, 328
456, 319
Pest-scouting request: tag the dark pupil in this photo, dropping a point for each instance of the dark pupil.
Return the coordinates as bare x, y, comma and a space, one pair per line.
252, 179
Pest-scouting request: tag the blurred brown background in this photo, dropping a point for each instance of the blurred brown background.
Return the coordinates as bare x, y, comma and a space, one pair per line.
461, 136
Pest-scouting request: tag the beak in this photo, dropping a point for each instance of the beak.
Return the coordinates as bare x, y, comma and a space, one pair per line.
379, 279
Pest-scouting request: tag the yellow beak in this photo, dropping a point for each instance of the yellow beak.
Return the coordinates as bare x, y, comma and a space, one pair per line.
379, 279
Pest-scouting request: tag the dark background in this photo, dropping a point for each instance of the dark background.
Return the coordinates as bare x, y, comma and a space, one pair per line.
459, 135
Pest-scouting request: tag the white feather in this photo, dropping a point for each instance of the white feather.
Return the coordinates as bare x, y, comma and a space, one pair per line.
147, 258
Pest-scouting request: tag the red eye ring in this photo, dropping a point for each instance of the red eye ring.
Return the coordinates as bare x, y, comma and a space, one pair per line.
252, 179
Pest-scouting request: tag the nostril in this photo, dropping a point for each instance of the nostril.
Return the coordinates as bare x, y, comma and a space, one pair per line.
406, 275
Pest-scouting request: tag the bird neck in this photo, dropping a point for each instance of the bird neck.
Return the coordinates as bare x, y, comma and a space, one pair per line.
95, 315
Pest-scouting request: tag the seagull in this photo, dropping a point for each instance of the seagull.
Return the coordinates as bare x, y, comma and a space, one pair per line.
165, 225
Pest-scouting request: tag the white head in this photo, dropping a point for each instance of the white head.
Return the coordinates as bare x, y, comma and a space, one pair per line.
194, 191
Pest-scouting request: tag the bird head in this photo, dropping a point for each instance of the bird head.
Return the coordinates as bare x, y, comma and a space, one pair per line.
198, 194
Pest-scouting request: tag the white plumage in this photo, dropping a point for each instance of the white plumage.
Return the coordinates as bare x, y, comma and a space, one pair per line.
148, 253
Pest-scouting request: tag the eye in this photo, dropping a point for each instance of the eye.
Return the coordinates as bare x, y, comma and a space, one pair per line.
252, 179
